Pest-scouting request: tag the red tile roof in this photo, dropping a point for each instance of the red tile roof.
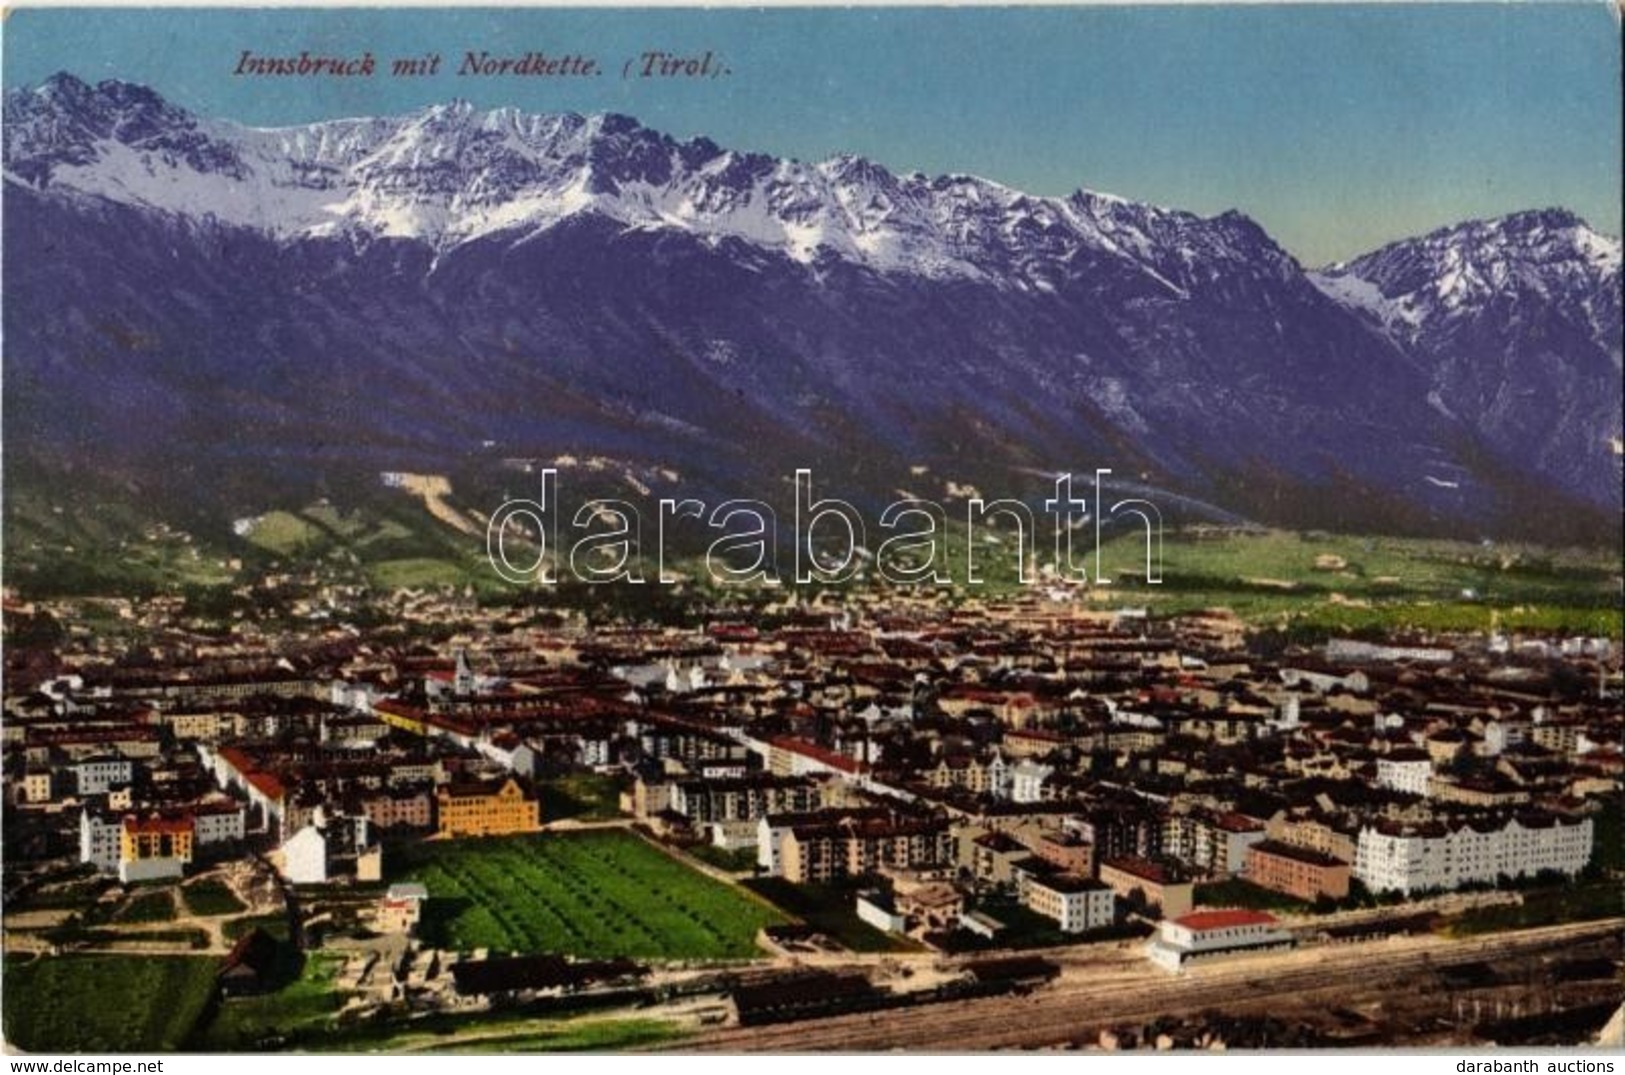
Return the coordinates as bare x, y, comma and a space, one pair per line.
236, 759
1233, 822
1225, 918
1145, 870
267, 784
817, 753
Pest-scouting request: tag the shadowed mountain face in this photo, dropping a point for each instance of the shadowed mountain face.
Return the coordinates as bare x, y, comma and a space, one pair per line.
1516, 323
230, 313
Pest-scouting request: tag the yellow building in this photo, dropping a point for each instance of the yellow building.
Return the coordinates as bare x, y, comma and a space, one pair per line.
37, 787
208, 725
486, 808
400, 715
151, 848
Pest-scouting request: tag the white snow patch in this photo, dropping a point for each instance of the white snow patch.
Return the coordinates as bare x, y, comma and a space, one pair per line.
1436, 401
1360, 294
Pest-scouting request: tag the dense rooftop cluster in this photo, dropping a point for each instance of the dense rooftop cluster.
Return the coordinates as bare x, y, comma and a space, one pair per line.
1030, 749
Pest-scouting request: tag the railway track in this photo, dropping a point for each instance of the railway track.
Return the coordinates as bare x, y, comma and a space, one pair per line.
1086, 997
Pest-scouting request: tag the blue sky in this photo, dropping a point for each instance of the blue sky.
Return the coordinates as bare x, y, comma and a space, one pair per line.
1337, 127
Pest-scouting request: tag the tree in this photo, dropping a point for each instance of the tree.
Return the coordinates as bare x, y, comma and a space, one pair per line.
1462, 763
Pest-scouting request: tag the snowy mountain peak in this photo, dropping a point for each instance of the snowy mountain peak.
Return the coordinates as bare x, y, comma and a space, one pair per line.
450, 173
65, 123
1533, 257
1536, 239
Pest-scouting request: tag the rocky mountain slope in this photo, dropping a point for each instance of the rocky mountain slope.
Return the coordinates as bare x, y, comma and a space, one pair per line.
220, 311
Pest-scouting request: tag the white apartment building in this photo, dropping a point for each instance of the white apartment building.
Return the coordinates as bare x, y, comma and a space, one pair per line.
305, 858
1406, 771
1417, 858
99, 839
1502, 734
94, 776
1027, 781
770, 847
219, 822
1077, 903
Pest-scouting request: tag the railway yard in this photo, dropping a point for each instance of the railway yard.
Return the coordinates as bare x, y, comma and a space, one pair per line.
1412, 990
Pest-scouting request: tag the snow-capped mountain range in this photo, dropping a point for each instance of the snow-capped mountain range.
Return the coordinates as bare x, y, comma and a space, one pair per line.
1419, 287
450, 174
412, 285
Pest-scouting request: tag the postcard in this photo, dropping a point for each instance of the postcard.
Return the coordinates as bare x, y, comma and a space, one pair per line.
806, 529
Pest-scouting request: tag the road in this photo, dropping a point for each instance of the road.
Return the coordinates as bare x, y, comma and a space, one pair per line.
1118, 986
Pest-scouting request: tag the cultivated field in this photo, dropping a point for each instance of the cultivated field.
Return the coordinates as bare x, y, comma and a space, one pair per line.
105, 1004
594, 894
1341, 584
